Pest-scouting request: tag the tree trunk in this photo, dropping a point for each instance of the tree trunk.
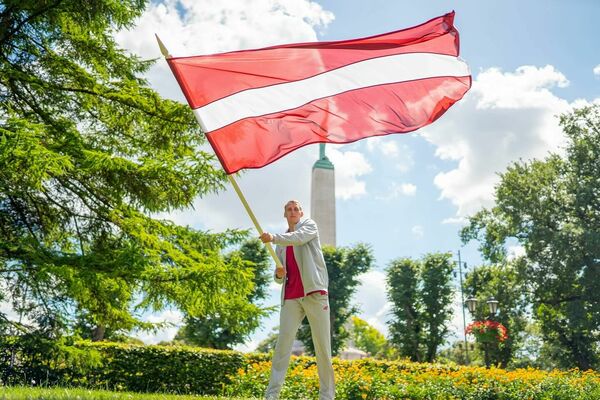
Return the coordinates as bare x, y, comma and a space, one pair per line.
98, 333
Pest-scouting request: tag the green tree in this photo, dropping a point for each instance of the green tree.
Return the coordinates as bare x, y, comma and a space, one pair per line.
406, 326
421, 295
456, 354
224, 329
268, 344
87, 152
506, 285
366, 337
344, 265
552, 208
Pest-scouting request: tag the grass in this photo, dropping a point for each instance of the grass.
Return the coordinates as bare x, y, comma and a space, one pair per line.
30, 393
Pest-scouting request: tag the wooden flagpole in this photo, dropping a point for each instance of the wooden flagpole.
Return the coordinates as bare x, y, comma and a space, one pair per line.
278, 264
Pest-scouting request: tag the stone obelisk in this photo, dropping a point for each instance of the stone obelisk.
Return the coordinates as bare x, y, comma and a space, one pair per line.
322, 197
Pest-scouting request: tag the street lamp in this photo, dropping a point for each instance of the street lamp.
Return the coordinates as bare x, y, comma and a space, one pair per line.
472, 305
493, 305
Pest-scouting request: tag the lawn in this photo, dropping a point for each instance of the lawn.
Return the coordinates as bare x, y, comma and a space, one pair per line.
30, 393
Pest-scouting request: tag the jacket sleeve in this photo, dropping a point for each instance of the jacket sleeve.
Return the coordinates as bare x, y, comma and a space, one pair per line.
305, 233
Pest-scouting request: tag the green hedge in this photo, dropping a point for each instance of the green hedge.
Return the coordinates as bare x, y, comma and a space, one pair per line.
119, 366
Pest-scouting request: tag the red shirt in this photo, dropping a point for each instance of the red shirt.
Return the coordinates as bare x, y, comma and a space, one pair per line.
293, 284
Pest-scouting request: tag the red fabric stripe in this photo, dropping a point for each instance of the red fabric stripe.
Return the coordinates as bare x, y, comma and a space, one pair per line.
205, 79
344, 118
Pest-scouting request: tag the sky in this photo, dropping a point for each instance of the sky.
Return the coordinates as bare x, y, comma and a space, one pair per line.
405, 195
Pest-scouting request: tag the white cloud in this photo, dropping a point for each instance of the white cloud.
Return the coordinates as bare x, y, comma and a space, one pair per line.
418, 231
266, 190
396, 190
505, 117
515, 252
388, 146
371, 297
455, 220
408, 189
173, 317
349, 167
456, 327
597, 70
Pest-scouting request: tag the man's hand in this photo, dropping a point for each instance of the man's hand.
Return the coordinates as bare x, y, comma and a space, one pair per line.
266, 237
279, 272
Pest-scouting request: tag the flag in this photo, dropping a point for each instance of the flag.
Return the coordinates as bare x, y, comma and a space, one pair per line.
256, 106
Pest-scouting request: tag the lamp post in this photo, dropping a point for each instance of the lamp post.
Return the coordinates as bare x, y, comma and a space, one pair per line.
462, 297
492, 303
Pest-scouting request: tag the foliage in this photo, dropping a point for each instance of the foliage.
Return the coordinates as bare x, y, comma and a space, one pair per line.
87, 152
344, 266
506, 284
421, 295
223, 329
366, 337
371, 379
552, 208
34, 358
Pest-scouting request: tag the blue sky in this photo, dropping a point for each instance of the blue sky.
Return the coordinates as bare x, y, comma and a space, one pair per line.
407, 195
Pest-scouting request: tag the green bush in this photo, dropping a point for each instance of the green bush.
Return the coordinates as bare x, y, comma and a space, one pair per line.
118, 366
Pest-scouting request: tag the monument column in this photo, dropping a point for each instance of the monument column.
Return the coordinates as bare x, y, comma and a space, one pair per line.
322, 197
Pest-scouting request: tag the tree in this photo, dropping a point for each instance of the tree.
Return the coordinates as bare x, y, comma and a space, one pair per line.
87, 152
506, 285
552, 208
268, 344
366, 337
436, 294
344, 265
223, 329
421, 295
456, 354
406, 326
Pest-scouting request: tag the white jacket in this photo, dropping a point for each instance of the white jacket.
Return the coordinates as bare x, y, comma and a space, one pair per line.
308, 254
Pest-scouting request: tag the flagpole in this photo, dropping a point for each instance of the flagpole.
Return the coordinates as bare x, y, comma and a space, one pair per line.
253, 218
236, 187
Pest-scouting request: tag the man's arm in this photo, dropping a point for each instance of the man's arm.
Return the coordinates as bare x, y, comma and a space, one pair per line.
304, 234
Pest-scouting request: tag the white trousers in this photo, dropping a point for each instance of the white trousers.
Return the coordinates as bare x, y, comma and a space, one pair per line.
316, 308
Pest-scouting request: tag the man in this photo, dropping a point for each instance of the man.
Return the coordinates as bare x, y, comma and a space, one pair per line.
304, 293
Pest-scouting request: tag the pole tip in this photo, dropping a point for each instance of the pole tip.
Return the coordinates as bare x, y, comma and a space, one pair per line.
162, 47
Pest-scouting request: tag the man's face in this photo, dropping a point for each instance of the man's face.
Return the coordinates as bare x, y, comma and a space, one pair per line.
293, 213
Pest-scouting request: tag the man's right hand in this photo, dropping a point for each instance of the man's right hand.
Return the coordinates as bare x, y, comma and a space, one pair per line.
279, 272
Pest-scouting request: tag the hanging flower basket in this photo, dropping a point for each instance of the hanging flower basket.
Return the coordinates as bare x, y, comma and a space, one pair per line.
488, 331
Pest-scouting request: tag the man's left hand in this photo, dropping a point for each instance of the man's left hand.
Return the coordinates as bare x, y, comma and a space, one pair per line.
266, 237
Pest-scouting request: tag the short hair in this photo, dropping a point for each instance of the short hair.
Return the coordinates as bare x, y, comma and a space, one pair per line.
292, 202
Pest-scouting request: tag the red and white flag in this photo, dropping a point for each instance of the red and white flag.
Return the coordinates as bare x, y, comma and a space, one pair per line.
256, 106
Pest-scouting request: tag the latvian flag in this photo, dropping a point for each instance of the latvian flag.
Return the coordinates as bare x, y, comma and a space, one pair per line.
256, 106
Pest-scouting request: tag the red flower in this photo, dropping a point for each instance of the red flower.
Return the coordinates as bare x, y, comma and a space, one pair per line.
487, 331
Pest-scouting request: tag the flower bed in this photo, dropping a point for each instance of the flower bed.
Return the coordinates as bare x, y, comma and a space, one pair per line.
370, 379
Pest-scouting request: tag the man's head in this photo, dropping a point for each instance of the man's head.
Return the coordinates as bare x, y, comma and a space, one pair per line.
293, 212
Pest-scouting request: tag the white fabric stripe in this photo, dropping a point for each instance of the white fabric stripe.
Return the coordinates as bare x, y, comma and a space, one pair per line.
287, 96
